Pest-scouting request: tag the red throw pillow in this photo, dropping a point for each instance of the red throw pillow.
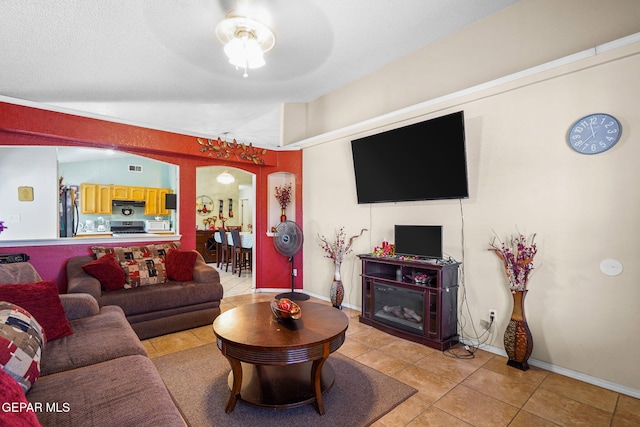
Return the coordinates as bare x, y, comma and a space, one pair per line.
180, 264
16, 410
42, 301
108, 271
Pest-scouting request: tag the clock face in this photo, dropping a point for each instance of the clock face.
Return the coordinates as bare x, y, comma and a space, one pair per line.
204, 205
594, 133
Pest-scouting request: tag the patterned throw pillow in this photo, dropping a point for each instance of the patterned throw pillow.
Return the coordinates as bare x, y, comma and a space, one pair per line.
22, 341
162, 249
123, 253
145, 271
142, 265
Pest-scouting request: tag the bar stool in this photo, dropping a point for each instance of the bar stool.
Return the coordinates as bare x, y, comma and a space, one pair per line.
241, 256
225, 250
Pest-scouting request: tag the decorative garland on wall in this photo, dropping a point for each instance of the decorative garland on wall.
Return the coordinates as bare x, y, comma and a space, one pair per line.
222, 149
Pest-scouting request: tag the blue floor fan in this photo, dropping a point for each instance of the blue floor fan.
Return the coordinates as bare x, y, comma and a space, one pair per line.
288, 241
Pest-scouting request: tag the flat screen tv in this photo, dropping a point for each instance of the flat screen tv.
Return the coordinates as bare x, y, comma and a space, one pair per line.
424, 241
422, 161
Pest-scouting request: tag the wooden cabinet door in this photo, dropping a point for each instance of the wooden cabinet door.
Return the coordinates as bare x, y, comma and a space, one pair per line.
88, 198
103, 202
151, 206
95, 199
119, 192
155, 203
137, 193
125, 192
162, 206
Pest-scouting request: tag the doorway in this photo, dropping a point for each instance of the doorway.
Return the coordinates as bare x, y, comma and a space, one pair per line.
230, 203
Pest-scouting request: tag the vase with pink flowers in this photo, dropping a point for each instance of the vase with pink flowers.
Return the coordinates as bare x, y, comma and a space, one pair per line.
283, 194
517, 254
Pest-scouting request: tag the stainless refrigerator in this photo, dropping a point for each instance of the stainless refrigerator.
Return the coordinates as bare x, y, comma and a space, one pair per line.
68, 212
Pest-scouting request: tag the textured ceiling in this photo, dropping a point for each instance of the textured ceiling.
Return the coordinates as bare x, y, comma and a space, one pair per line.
158, 63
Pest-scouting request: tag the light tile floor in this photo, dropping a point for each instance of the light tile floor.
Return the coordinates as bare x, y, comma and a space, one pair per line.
452, 391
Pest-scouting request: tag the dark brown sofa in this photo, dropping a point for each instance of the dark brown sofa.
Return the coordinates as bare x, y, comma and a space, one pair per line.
157, 309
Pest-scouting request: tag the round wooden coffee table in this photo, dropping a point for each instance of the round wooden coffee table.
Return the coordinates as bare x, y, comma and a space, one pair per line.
280, 364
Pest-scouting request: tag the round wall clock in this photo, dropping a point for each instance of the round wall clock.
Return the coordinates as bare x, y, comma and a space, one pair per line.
204, 205
594, 133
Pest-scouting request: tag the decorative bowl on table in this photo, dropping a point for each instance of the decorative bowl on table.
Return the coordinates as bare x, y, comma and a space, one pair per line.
284, 308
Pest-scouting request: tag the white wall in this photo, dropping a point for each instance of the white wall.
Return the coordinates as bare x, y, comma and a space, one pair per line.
522, 175
29, 167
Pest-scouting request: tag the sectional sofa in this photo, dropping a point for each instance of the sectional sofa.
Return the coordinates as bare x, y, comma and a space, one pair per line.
97, 374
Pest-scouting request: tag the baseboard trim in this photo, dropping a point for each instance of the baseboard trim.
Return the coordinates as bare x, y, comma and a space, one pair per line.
609, 385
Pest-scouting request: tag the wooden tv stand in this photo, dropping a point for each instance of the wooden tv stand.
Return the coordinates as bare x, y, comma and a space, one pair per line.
395, 301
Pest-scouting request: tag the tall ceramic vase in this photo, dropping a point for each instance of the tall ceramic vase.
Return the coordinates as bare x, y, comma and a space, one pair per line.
518, 342
336, 293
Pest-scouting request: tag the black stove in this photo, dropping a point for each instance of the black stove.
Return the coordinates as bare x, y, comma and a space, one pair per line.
127, 227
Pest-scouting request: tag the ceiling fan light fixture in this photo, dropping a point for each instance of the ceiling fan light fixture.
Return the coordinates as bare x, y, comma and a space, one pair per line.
244, 52
245, 41
225, 178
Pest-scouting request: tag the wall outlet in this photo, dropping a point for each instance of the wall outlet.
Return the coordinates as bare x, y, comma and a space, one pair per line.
295, 271
493, 315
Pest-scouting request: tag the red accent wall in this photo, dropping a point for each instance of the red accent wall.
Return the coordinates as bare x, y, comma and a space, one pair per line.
20, 125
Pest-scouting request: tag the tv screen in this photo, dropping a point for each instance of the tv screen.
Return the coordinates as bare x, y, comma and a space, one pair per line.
423, 241
423, 161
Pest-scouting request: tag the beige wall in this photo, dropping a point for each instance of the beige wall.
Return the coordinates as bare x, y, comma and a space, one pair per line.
522, 175
527, 34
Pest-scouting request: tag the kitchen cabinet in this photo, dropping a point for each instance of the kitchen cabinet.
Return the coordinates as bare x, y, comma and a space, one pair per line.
126, 192
95, 199
120, 192
137, 193
155, 201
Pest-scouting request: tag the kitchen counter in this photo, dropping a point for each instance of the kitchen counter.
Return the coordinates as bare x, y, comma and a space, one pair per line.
93, 234
110, 234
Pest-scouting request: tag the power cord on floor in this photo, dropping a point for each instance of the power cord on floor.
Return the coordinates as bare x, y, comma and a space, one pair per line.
467, 347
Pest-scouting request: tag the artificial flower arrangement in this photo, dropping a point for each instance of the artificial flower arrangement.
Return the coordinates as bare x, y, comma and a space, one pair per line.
210, 222
517, 256
337, 249
385, 250
283, 194
2, 226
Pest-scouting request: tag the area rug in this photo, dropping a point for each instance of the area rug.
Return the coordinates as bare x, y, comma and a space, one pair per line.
197, 380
